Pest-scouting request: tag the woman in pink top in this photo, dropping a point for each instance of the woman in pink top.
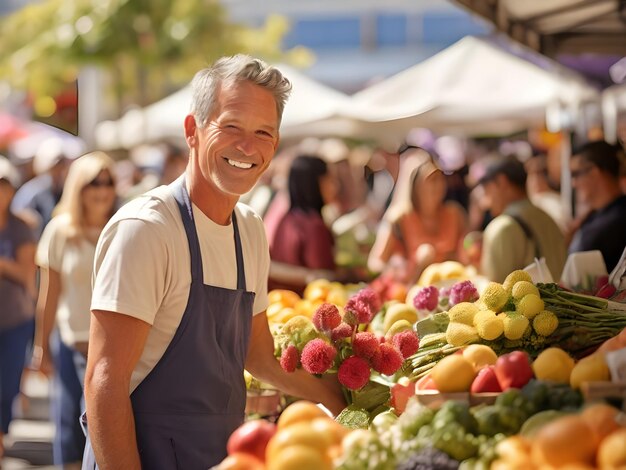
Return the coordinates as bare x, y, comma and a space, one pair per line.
302, 238
419, 228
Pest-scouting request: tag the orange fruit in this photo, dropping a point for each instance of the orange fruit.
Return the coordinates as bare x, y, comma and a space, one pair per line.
300, 457
300, 411
612, 452
298, 434
331, 428
601, 419
283, 296
564, 441
241, 461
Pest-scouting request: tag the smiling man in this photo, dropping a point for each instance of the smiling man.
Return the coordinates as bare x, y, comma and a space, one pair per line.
180, 291
595, 171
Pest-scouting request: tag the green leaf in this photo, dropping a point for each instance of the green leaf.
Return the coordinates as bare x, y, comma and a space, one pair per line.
354, 417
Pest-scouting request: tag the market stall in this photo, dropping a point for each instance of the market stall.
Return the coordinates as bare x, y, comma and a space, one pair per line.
460, 373
309, 102
474, 87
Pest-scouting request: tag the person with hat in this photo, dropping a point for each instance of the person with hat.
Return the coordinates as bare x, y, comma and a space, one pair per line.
595, 171
37, 198
17, 291
520, 231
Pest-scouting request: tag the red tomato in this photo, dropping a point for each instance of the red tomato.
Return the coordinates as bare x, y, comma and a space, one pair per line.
251, 438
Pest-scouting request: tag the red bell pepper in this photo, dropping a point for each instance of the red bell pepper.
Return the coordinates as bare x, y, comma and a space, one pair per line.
513, 370
486, 381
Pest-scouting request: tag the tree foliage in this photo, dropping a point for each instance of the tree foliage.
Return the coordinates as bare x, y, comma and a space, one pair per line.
144, 45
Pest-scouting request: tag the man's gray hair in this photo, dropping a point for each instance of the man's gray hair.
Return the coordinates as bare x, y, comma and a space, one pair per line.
207, 82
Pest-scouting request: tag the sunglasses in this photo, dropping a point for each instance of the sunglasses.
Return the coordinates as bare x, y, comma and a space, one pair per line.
581, 172
108, 183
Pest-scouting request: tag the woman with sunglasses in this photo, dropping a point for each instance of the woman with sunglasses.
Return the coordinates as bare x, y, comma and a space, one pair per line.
65, 256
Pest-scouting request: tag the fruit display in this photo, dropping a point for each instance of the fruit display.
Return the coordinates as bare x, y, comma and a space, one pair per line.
535, 427
591, 438
453, 376
515, 315
285, 304
304, 438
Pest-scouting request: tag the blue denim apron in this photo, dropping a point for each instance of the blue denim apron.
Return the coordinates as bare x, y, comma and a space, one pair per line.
194, 398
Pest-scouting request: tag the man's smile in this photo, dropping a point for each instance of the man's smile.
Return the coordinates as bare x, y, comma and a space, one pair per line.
238, 164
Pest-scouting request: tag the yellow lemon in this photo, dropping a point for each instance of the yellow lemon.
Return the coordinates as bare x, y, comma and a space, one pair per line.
553, 364
590, 369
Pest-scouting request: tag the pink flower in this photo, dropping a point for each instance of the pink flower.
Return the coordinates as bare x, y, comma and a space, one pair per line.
289, 358
365, 345
357, 311
463, 291
427, 298
342, 331
407, 342
387, 360
317, 356
369, 296
354, 373
361, 307
326, 317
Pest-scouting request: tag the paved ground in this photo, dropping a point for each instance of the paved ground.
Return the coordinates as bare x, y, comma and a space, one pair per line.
29, 442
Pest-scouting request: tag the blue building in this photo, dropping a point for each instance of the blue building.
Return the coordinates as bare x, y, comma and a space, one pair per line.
357, 42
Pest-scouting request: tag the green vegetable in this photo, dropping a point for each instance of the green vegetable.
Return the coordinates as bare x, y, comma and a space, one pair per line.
536, 422
584, 321
488, 420
354, 417
454, 441
458, 412
371, 396
565, 398
433, 323
474, 464
538, 393
512, 420
493, 420
415, 417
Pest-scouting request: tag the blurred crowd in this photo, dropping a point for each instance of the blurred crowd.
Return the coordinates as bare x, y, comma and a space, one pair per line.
340, 210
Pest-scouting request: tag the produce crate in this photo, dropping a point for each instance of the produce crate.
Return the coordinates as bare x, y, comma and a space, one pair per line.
612, 392
435, 399
264, 403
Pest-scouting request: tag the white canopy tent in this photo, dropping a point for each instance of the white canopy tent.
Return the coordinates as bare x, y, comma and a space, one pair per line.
310, 101
473, 87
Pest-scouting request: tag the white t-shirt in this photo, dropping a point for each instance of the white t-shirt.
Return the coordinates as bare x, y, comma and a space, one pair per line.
142, 266
73, 260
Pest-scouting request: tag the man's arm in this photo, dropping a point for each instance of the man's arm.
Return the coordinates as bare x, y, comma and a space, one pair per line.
116, 342
262, 364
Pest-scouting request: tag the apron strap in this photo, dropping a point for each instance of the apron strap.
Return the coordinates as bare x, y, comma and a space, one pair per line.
184, 204
241, 274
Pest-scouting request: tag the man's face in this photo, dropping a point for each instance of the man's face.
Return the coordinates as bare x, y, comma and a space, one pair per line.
493, 196
239, 139
584, 178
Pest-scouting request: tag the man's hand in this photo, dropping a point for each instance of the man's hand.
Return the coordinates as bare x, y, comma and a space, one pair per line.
262, 364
